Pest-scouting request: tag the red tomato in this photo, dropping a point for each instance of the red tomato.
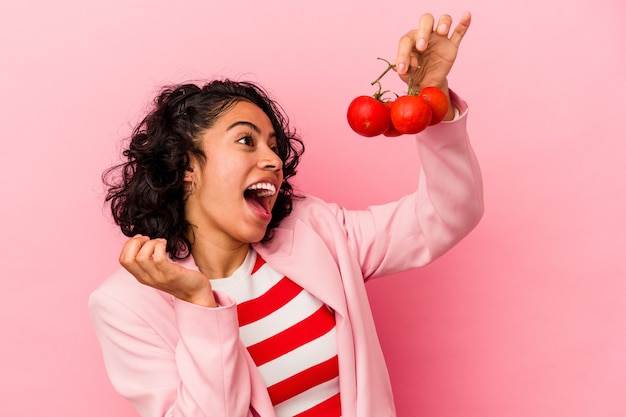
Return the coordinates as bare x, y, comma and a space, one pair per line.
392, 132
368, 116
438, 102
410, 114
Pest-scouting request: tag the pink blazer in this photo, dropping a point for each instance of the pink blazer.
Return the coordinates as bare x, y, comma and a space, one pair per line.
172, 358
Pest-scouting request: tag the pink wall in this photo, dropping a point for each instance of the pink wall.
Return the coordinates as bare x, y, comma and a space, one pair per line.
526, 317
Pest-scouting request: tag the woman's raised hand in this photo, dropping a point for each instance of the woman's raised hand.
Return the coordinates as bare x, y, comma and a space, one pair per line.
432, 48
149, 263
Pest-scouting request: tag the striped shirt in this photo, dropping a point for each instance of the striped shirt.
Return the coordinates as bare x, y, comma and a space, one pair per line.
290, 335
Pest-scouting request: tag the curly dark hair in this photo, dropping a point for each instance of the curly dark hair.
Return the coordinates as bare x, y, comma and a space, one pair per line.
146, 190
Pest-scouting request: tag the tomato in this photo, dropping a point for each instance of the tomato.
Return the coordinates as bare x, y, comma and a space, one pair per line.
368, 116
438, 102
392, 132
410, 114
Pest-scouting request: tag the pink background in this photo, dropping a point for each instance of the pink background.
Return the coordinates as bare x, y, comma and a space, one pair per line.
526, 317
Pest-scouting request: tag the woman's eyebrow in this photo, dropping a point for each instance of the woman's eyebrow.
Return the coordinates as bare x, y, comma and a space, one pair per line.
244, 123
250, 125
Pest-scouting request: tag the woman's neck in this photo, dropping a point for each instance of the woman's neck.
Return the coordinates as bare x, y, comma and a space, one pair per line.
216, 261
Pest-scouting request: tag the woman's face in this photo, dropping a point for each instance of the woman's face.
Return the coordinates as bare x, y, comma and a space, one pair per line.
234, 192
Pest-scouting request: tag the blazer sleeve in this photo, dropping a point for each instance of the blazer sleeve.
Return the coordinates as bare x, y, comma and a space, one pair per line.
420, 227
203, 372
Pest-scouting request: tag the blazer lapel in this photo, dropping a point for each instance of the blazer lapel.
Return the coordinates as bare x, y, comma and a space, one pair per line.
302, 255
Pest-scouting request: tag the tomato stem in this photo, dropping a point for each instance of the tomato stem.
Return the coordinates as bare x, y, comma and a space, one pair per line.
378, 94
419, 70
389, 67
411, 91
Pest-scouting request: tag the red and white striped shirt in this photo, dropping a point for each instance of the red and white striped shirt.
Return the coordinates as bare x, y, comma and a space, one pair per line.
291, 337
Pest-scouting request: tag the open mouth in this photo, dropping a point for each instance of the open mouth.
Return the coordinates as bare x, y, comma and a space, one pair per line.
259, 196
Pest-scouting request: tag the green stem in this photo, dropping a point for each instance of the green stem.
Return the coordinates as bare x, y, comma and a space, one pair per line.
420, 67
389, 67
411, 92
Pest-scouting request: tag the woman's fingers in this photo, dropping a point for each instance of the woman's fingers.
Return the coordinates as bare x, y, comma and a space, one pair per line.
413, 41
147, 260
444, 25
405, 48
152, 259
461, 29
424, 30
144, 258
417, 40
128, 254
426, 54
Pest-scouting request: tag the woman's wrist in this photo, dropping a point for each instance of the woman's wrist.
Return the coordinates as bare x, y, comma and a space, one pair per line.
204, 297
451, 114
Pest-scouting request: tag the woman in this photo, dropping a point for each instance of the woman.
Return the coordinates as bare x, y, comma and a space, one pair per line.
238, 298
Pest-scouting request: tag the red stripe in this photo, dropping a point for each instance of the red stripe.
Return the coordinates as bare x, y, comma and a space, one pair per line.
257, 264
304, 380
314, 326
329, 408
276, 297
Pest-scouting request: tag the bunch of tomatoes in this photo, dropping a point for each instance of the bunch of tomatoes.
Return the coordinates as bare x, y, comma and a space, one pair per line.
408, 114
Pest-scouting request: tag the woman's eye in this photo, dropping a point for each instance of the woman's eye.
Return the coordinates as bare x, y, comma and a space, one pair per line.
246, 140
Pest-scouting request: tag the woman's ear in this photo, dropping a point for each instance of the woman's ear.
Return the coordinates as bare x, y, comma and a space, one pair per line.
188, 181
188, 177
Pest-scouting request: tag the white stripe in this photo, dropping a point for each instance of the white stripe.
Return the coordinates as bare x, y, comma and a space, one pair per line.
261, 282
240, 276
304, 357
299, 308
242, 286
307, 399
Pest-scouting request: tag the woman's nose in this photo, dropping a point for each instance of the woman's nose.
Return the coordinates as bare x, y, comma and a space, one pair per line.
271, 160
